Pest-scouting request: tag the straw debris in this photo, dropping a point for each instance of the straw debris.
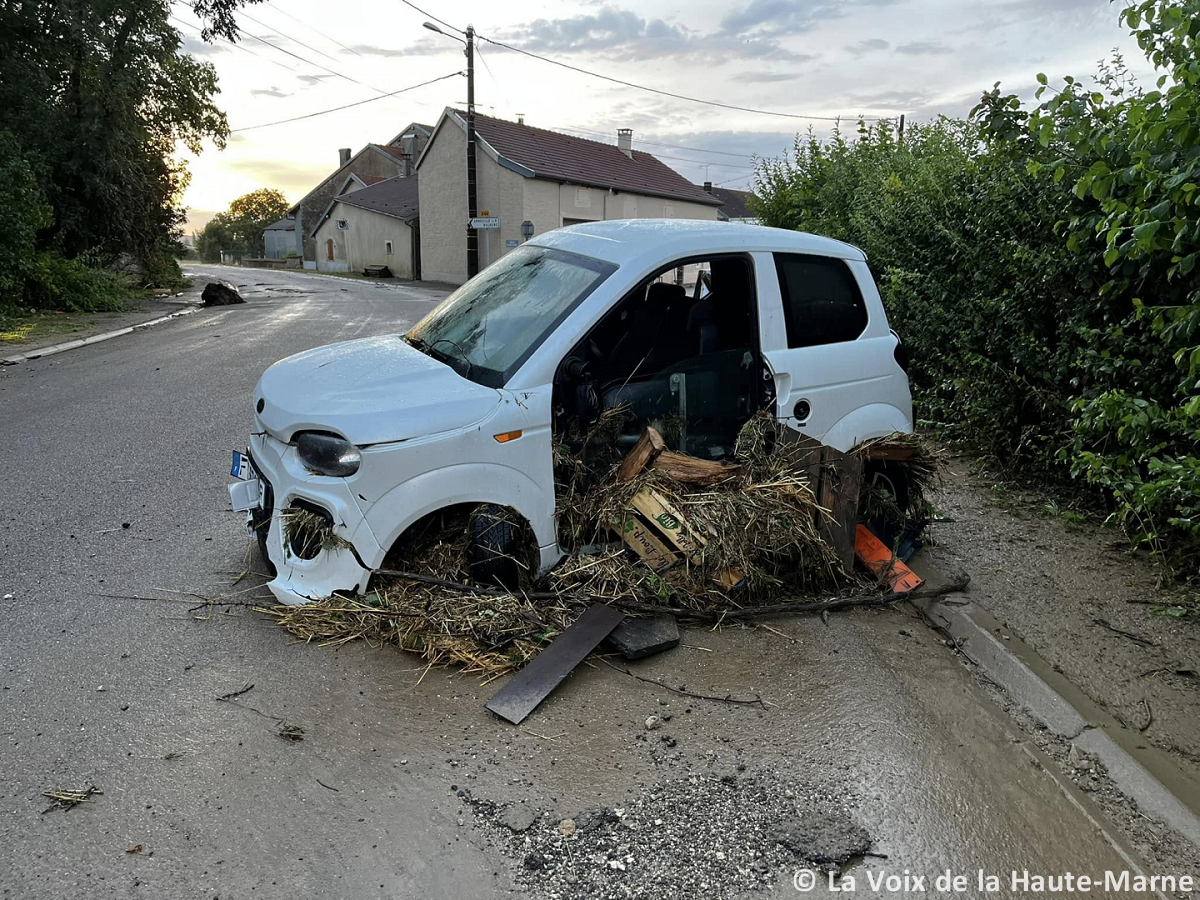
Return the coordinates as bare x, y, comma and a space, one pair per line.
760, 522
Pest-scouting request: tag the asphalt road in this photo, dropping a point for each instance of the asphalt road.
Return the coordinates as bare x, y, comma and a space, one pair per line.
113, 489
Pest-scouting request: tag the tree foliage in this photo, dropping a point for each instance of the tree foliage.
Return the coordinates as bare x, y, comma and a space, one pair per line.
97, 94
239, 230
1042, 265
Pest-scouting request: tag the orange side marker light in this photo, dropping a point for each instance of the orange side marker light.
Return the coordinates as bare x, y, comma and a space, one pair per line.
507, 436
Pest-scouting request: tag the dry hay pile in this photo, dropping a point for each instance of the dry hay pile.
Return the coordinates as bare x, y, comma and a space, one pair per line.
761, 522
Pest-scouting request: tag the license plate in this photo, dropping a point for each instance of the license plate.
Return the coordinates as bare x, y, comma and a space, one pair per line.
242, 469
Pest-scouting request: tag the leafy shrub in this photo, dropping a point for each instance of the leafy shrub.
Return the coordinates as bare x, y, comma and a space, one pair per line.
1042, 267
54, 282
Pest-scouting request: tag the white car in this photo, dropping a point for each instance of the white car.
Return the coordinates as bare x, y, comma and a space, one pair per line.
696, 325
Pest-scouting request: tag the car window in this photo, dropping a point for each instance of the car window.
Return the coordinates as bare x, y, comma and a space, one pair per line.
488, 327
821, 300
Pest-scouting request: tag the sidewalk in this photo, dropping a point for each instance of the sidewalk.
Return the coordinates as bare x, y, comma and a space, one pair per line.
71, 327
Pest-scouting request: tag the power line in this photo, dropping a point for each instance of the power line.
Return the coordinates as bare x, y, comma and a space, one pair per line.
314, 30
200, 32
642, 87
288, 37
309, 62
323, 112
432, 16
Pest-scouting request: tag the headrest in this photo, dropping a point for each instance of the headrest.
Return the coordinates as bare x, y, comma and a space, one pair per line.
664, 292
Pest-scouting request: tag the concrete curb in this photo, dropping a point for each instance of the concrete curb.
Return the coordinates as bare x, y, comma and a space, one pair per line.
960, 619
94, 339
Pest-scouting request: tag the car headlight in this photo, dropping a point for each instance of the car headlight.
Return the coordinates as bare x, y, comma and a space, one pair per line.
326, 454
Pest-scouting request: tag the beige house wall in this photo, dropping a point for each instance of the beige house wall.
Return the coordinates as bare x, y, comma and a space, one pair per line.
364, 242
514, 198
442, 190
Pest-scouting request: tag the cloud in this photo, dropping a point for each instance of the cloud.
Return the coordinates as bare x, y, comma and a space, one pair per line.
424, 48
764, 77
870, 45
196, 47
624, 35
785, 17
268, 92
924, 48
289, 177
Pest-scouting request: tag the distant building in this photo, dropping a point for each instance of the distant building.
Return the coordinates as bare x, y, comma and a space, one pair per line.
279, 239
546, 178
371, 165
373, 226
734, 204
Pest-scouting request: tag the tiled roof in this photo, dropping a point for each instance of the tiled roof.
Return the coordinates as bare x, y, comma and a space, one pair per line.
397, 152
283, 224
733, 203
563, 157
396, 197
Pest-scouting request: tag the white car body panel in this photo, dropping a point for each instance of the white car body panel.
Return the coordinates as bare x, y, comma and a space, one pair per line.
427, 435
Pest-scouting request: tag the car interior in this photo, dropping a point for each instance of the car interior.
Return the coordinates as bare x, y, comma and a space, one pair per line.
681, 350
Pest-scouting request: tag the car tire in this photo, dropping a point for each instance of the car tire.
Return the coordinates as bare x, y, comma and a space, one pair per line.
494, 545
892, 478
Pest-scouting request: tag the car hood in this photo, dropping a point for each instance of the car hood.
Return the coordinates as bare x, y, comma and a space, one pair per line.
370, 391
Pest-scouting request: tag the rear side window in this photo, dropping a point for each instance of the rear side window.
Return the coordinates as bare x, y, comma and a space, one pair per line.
821, 300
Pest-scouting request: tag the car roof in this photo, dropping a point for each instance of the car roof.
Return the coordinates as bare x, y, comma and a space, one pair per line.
627, 241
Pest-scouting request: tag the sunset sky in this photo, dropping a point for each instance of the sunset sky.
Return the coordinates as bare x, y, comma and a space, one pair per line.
801, 57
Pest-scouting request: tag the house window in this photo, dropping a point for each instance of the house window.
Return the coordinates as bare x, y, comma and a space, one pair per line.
387, 247
342, 224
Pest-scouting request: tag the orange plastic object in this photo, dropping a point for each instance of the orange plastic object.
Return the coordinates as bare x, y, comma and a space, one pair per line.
875, 555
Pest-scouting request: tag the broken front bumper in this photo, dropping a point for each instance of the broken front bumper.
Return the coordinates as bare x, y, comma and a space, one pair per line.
307, 570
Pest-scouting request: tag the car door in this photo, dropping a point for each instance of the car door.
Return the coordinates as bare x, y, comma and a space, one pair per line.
829, 348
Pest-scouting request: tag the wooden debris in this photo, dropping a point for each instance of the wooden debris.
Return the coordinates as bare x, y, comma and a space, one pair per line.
836, 480
646, 544
669, 522
729, 579
533, 684
872, 553
691, 470
644, 452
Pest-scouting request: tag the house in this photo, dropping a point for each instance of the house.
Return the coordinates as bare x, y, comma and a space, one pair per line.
734, 204
371, 165
372, 226
279, 239
540, 176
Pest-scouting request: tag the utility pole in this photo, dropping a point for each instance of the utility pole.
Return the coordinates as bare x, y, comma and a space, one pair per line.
901, 127
472, 191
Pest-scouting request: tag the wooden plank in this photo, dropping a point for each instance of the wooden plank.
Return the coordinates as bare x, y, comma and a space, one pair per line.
691, 470
533, 684
644, 452
873, 554
898, 453
645, 543
841, 481
669, 523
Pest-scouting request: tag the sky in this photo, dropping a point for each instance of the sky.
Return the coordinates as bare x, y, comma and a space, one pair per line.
819, 58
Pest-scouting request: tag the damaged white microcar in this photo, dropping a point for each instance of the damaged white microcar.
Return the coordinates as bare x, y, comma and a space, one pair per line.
704, 324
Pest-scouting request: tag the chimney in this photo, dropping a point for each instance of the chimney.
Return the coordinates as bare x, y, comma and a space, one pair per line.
520, 118
343, 156
625, 141
708, 186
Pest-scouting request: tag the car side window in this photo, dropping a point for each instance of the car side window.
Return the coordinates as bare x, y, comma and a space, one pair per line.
822, 303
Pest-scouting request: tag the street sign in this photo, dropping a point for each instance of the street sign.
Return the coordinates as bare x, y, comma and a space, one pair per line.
480, 222
510, 243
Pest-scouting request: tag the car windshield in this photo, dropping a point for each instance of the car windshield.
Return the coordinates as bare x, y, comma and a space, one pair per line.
488, 327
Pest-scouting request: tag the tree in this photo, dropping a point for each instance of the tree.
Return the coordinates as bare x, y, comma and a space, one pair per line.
251, 213
97, 95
